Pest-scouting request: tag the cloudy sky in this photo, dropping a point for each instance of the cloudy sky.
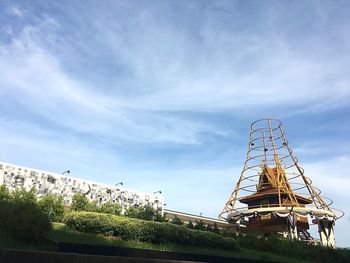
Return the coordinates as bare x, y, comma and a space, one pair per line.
160, 94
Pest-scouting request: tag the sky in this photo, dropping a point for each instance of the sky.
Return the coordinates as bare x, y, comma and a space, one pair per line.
161, 94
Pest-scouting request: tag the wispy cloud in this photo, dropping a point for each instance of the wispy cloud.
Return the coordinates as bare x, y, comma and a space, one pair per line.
34, 77
163, 94
16, 11
170, 71
220, 69
331, 176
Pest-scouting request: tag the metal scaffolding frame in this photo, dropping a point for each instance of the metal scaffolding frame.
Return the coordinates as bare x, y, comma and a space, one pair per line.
270, 161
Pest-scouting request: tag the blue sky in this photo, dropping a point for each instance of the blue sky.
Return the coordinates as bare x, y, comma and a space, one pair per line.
160, 94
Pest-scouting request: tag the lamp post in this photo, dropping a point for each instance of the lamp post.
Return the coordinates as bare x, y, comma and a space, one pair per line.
109, 191
157, 201
66, 172
120, 197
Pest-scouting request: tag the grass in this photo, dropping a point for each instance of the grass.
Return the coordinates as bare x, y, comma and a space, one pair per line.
8, 242
62, 233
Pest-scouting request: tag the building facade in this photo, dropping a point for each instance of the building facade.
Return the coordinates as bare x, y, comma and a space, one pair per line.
14, 176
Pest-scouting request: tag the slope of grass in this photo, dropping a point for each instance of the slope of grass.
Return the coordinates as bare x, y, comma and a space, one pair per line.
7, 241
62, 233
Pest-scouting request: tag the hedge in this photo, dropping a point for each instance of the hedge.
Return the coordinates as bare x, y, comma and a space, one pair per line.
294, 249
146, 231
21, 215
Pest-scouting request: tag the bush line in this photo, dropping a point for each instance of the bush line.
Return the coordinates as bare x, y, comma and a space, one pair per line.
146, 231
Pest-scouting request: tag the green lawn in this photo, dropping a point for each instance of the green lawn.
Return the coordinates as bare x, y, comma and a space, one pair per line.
8, 242
61, 233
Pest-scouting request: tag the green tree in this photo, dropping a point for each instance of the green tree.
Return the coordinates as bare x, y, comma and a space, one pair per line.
21, 215
144, 212
28, 222
110, 208
92, 207
208, 227
199, 225
5, 199
190, 225
4, 193
147, 213
177, 221
52, 205
132, 212
80, 202
159, 218
24, 196
215, 229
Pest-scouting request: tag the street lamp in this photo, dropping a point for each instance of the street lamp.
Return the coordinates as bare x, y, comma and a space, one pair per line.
120, 183
157, 192
68, 172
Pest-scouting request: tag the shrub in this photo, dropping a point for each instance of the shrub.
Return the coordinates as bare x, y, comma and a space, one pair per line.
159, 217
215, 229
295, 249
79, 202
28, 222
110, 208
145, 213
52, 205
147, 231
177, 221
190, 225
5, 198
5, 195
21, 215
22, 195
142, 212
200, 225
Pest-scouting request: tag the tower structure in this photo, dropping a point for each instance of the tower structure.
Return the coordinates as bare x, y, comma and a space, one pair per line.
273, 194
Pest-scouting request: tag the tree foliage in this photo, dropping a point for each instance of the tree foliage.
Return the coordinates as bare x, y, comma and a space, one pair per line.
145, 231
5, 195
22, 216
200, 225
22, 195
177, 221
215, 229
79, 202
190, 225
110, 208
145, 213
52, 205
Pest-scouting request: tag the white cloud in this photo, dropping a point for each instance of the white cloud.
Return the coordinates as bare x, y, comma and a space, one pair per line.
15, 10
34, 77
220, 69
212, 73
30, 145
202, 68
332, 178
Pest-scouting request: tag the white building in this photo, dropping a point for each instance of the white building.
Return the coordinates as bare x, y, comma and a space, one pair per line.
14, 176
